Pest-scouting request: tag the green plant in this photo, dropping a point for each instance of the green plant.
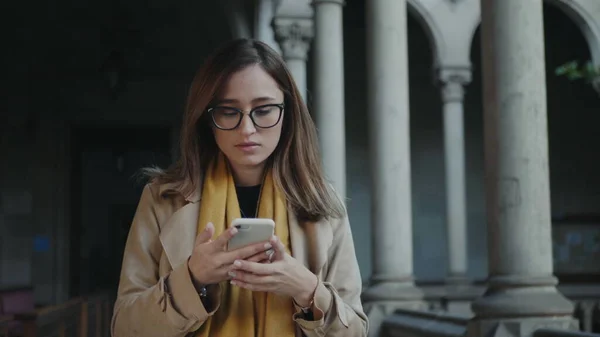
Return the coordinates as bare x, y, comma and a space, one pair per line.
573, 71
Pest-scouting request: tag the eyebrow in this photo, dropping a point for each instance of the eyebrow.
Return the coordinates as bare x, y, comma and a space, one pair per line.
255, 100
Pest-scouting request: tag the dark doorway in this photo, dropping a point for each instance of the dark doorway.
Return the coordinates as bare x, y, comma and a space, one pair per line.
106, 186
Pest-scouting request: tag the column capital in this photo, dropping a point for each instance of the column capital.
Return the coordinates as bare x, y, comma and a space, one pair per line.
335, 2
453, 80
458, 74
294, 35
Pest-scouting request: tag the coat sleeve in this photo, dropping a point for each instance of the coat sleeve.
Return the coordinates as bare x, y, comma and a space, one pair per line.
146, 304
337, 306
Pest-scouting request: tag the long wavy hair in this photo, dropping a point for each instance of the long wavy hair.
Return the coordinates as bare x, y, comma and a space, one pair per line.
296, 162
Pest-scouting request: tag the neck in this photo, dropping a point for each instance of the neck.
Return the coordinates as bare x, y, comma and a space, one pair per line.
248, 176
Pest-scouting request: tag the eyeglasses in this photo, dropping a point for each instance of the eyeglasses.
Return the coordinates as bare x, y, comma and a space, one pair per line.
264, 116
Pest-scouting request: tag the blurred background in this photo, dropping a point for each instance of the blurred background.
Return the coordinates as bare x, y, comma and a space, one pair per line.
94, 91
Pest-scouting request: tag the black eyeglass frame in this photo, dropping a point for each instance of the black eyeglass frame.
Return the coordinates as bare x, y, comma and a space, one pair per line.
241, 113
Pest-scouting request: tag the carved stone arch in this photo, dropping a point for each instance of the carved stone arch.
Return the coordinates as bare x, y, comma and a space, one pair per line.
475, 27
416, 8
588, 23
579, 12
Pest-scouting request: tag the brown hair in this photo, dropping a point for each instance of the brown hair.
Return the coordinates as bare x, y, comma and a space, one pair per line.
296, 161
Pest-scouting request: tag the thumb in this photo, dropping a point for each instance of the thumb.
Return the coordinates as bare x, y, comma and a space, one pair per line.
205, 235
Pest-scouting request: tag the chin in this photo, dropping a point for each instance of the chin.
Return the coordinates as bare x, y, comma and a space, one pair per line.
248, 160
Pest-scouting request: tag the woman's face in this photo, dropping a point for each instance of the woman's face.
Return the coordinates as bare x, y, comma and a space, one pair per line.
248, 145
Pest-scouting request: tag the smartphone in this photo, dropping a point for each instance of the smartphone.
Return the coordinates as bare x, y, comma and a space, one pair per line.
251, 230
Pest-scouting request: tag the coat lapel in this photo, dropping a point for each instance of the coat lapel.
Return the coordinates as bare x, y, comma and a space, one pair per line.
179, 234
310, 242
297, 240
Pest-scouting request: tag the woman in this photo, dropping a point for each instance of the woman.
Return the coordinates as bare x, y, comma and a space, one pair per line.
248, 149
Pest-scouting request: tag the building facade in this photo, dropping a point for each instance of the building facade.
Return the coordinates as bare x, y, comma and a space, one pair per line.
521, 281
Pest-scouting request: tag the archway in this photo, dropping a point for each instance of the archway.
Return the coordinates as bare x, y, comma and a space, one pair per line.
417, 12
584, 21
572, 108
357, 110
572, 128
427, 153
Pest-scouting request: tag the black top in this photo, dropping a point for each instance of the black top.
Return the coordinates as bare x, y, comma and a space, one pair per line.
248, 199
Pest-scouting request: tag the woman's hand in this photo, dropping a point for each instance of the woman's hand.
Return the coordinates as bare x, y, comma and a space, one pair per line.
262, 257
284, 276
210, 262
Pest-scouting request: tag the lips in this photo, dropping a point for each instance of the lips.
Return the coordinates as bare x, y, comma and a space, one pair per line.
248, 147
247, 144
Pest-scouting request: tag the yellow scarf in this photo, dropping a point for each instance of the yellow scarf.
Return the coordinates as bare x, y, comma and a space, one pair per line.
244, 313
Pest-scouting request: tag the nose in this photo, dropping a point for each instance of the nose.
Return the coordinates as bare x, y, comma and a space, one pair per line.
247, 126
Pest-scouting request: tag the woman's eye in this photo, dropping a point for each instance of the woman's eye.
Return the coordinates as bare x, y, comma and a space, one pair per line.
226, 113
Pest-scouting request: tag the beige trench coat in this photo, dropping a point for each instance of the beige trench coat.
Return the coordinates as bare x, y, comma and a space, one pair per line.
156, 297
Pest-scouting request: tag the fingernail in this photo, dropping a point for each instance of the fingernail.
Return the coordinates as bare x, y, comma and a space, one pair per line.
208, 226
232, 274
237, 263
269, 252
268, 245
233, 230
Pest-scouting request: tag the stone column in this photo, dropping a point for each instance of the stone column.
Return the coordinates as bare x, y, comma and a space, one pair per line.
328, 91
453, 81
263, 17
522, 294
391, 285
294, 36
